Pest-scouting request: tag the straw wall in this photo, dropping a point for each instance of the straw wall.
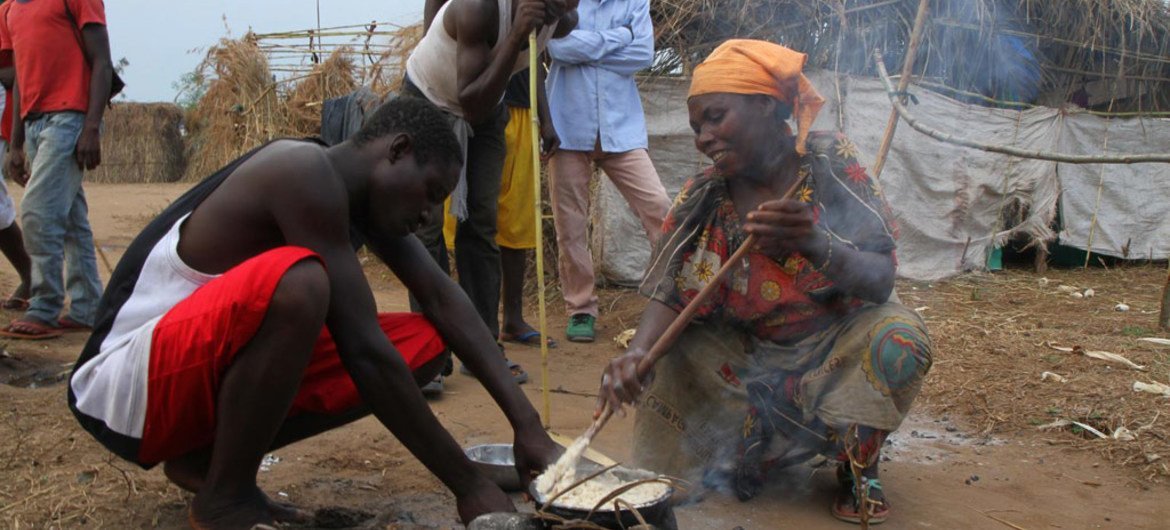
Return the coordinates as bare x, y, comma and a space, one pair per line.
141, 142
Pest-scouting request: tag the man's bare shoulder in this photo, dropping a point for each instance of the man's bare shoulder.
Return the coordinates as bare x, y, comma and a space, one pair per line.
294, 173
291, 161
476, 19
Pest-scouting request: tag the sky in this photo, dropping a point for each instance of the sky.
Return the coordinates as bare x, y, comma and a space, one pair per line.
162, 40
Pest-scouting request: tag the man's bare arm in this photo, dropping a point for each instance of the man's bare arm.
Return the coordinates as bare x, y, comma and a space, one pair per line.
483, 73
447, 307
311, 212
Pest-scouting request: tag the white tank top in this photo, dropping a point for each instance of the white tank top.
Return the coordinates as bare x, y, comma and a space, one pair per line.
432, 64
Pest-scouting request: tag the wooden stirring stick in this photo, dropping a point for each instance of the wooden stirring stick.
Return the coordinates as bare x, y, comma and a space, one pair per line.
683, 319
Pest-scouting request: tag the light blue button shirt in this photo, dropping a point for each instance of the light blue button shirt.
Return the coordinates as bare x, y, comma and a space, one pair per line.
591, 88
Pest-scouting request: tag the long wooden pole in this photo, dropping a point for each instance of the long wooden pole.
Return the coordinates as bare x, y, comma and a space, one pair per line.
1164, 316
534, 112
907, 71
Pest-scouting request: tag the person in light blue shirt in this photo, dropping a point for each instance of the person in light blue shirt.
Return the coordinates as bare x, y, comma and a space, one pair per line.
595, 108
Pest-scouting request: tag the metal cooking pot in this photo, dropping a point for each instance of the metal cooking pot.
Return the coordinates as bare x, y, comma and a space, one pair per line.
657, 512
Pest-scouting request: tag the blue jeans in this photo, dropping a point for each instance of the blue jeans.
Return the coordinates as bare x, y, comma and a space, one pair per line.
56, 222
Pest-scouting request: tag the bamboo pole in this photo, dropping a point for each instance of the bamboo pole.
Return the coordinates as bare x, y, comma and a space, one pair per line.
534, 112
907, 71
913, 122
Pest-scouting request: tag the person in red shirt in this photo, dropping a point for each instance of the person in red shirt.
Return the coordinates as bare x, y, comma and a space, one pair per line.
62, 85
11, 238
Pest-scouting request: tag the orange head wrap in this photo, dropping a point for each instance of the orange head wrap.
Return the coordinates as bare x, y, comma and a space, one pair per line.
743, 66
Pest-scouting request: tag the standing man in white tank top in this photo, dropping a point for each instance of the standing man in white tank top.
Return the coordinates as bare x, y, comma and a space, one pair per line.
462, 65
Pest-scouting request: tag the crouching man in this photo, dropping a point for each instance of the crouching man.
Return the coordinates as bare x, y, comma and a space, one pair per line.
240, 321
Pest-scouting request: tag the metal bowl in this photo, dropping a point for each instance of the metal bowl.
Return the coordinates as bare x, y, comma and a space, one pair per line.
498, 463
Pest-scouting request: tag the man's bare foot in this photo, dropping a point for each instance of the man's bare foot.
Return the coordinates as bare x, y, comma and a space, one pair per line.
188, 472
210, 512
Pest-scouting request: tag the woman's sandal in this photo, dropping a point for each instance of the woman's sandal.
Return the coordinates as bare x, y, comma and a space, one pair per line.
846, 505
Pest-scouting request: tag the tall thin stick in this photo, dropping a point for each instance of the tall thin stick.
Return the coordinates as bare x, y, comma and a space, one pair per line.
533, 111
1164, 316
903, 82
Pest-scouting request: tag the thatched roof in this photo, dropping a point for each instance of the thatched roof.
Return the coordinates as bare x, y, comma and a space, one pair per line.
1032, 51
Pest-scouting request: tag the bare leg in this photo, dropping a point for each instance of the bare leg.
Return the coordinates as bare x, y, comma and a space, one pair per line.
189, 472
254, 398
513, 263
12, 244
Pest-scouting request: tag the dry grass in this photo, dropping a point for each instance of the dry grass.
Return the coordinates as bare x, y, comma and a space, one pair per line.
331, 78
141, 142
386, 73
55, 479
990, 333
246, 105
240, 109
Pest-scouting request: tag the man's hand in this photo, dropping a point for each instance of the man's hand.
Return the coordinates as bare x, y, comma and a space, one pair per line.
534, 452
530, 15
89, 148
549, 140
784, 227
16, 166
483, 496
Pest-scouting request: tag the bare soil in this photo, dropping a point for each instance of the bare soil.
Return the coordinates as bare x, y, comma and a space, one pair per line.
971, 455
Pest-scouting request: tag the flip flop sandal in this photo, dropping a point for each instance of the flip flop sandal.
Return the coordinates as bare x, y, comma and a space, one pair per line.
434, 388
68, 325
879, 511
33, 331
518, 373
528, 338
15, 304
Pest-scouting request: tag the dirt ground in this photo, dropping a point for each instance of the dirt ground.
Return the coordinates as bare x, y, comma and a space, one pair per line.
971, 455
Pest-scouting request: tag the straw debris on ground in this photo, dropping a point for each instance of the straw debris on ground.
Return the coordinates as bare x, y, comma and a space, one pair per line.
993, 336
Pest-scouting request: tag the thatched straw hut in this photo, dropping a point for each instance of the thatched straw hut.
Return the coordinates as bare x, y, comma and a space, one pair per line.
331, 78
141, 142
239, 110
1009, 51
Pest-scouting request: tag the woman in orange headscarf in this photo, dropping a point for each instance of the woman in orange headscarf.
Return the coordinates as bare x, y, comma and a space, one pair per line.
801, 352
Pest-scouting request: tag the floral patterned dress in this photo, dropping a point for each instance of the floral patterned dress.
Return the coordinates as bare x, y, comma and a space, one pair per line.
779, 347
779, 300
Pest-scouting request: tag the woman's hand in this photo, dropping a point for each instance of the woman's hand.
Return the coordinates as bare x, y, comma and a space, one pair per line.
786, 226
620, 384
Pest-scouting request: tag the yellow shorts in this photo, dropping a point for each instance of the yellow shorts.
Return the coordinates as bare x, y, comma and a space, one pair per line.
516, 224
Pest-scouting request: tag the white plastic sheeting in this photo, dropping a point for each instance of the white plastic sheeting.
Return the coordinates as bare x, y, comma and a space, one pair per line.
952, 204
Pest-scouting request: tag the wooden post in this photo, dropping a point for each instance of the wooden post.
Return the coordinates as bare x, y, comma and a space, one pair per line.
907, 72
1041, 258
1164, 316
